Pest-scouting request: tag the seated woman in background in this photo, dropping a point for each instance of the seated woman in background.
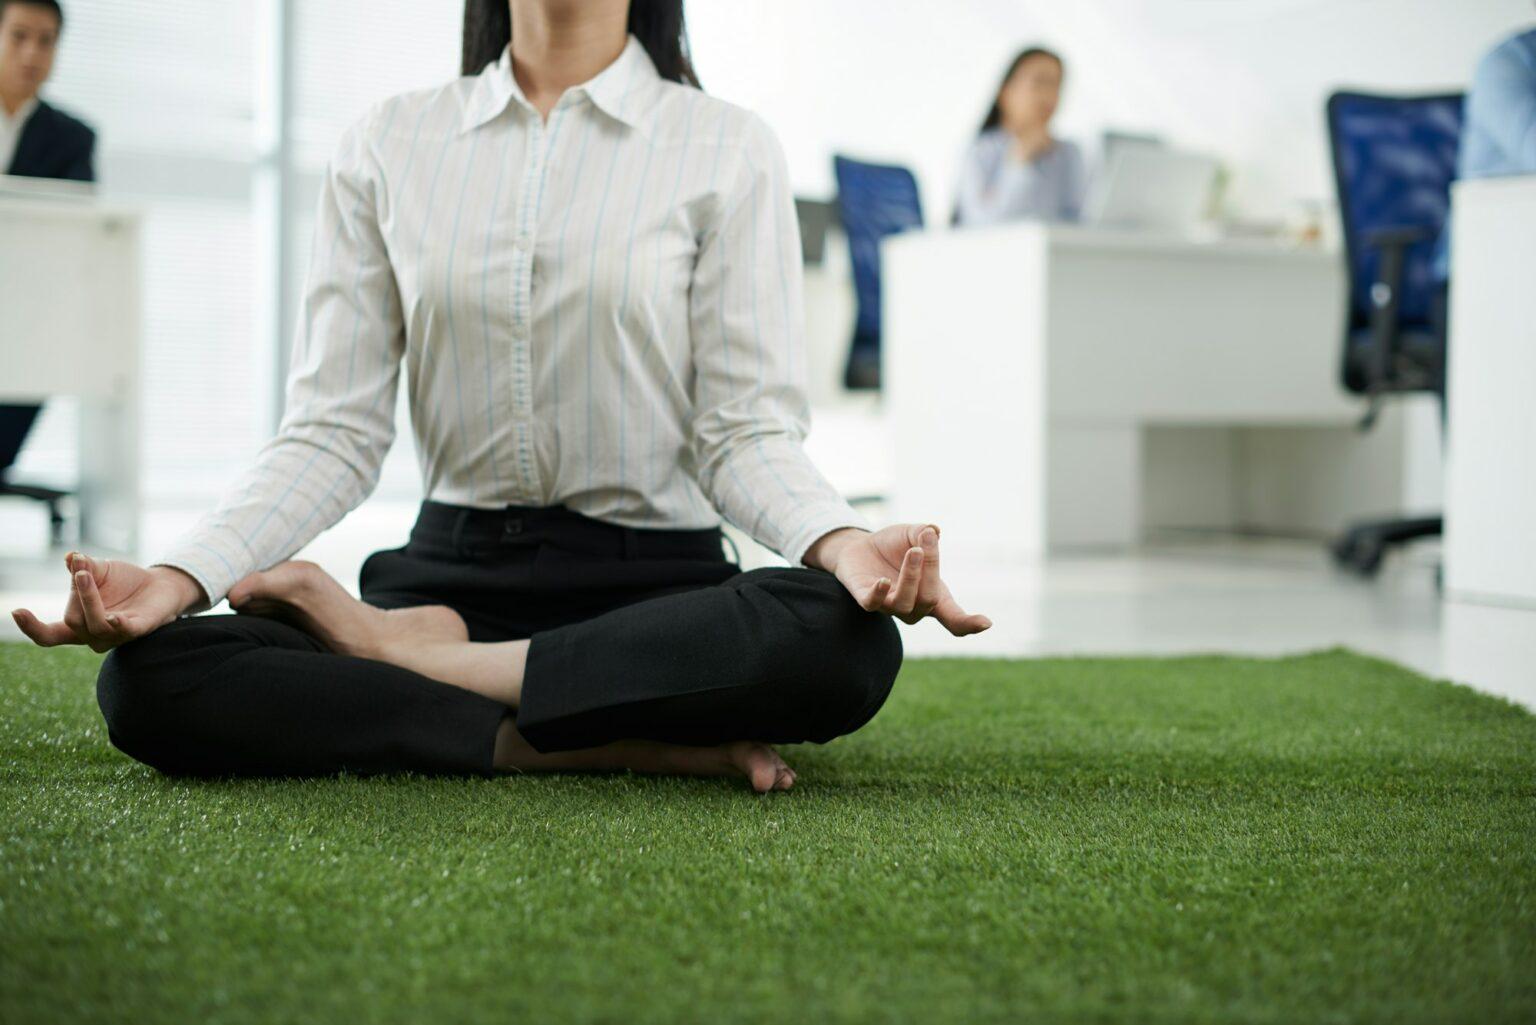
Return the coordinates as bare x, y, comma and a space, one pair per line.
1015, 168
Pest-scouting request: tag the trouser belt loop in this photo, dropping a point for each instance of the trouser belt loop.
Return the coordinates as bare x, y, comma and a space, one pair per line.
631, 543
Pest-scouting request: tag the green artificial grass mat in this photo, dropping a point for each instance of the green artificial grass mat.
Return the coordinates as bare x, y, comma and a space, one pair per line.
1318, 838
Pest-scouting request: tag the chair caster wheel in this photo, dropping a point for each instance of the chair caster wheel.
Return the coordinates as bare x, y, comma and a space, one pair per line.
1359, 552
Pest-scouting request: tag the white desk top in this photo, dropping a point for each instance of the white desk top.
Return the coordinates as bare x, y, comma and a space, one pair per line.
1496, 189
1122, 327
1087, 238
66, 207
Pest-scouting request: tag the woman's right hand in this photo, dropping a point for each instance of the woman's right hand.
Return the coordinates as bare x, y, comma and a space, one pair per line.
112, 602
1031, 142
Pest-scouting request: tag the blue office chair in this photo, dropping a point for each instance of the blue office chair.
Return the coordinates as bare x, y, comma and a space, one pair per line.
1394, 158
874, 200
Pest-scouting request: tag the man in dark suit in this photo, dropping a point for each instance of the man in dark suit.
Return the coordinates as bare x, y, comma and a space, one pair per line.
36, 139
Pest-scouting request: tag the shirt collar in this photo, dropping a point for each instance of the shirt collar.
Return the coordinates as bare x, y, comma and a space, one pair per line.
618, 90
23, 112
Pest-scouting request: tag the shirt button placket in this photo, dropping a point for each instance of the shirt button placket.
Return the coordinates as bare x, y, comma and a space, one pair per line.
522, 303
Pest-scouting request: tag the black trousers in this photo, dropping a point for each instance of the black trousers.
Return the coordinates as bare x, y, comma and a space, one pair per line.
643, 634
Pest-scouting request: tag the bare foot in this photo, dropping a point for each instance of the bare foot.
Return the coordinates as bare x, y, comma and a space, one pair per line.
302, 594
761, 764
758, 762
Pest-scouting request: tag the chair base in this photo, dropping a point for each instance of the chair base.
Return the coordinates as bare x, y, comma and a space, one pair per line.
49, 496
1361, 548
863, 370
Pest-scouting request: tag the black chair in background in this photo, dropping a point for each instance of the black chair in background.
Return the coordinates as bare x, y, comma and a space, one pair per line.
15, 423
1394, 158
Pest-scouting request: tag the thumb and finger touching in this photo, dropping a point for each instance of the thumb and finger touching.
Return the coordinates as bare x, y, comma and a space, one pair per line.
86, 617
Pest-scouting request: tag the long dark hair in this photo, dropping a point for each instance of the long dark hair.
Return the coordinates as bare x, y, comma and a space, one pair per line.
658, 24
995, 115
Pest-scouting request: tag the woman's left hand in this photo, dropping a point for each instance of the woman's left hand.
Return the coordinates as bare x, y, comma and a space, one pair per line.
895, 570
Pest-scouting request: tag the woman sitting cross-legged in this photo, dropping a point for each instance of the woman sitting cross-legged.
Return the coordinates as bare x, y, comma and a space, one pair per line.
591, 269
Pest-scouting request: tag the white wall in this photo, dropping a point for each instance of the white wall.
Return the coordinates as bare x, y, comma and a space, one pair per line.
909, 80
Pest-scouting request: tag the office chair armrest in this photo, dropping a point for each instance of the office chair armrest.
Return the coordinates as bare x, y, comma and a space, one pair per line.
1393, 244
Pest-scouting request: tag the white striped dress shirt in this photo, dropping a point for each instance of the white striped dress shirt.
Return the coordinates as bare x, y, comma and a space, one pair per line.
604, 310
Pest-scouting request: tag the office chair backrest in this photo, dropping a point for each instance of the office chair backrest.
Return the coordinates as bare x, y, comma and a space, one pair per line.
1394, 158
15, 423
874, 200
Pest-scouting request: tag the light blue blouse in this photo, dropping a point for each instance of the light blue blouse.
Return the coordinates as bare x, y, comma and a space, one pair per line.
1498, 135
996, 187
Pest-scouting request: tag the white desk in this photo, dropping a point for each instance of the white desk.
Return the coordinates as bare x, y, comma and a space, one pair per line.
1490, 515
1057, 386
69, 289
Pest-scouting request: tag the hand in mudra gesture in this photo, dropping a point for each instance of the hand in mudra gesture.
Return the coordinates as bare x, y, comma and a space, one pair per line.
895, 570
111, 602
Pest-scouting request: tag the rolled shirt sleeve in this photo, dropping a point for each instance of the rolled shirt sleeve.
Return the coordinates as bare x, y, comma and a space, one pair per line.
750, 411
339, 419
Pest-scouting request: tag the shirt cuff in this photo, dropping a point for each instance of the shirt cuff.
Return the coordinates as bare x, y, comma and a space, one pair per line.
211, 571
826, 519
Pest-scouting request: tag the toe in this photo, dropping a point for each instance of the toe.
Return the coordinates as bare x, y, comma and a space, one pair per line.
764, 777
763, 771
758, 762
783, 777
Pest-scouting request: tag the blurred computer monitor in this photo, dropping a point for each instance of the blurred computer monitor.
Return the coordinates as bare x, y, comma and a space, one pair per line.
1112, 141
1150, 187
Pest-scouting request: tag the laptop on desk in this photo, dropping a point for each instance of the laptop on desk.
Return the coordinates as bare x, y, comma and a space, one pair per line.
1150, 187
